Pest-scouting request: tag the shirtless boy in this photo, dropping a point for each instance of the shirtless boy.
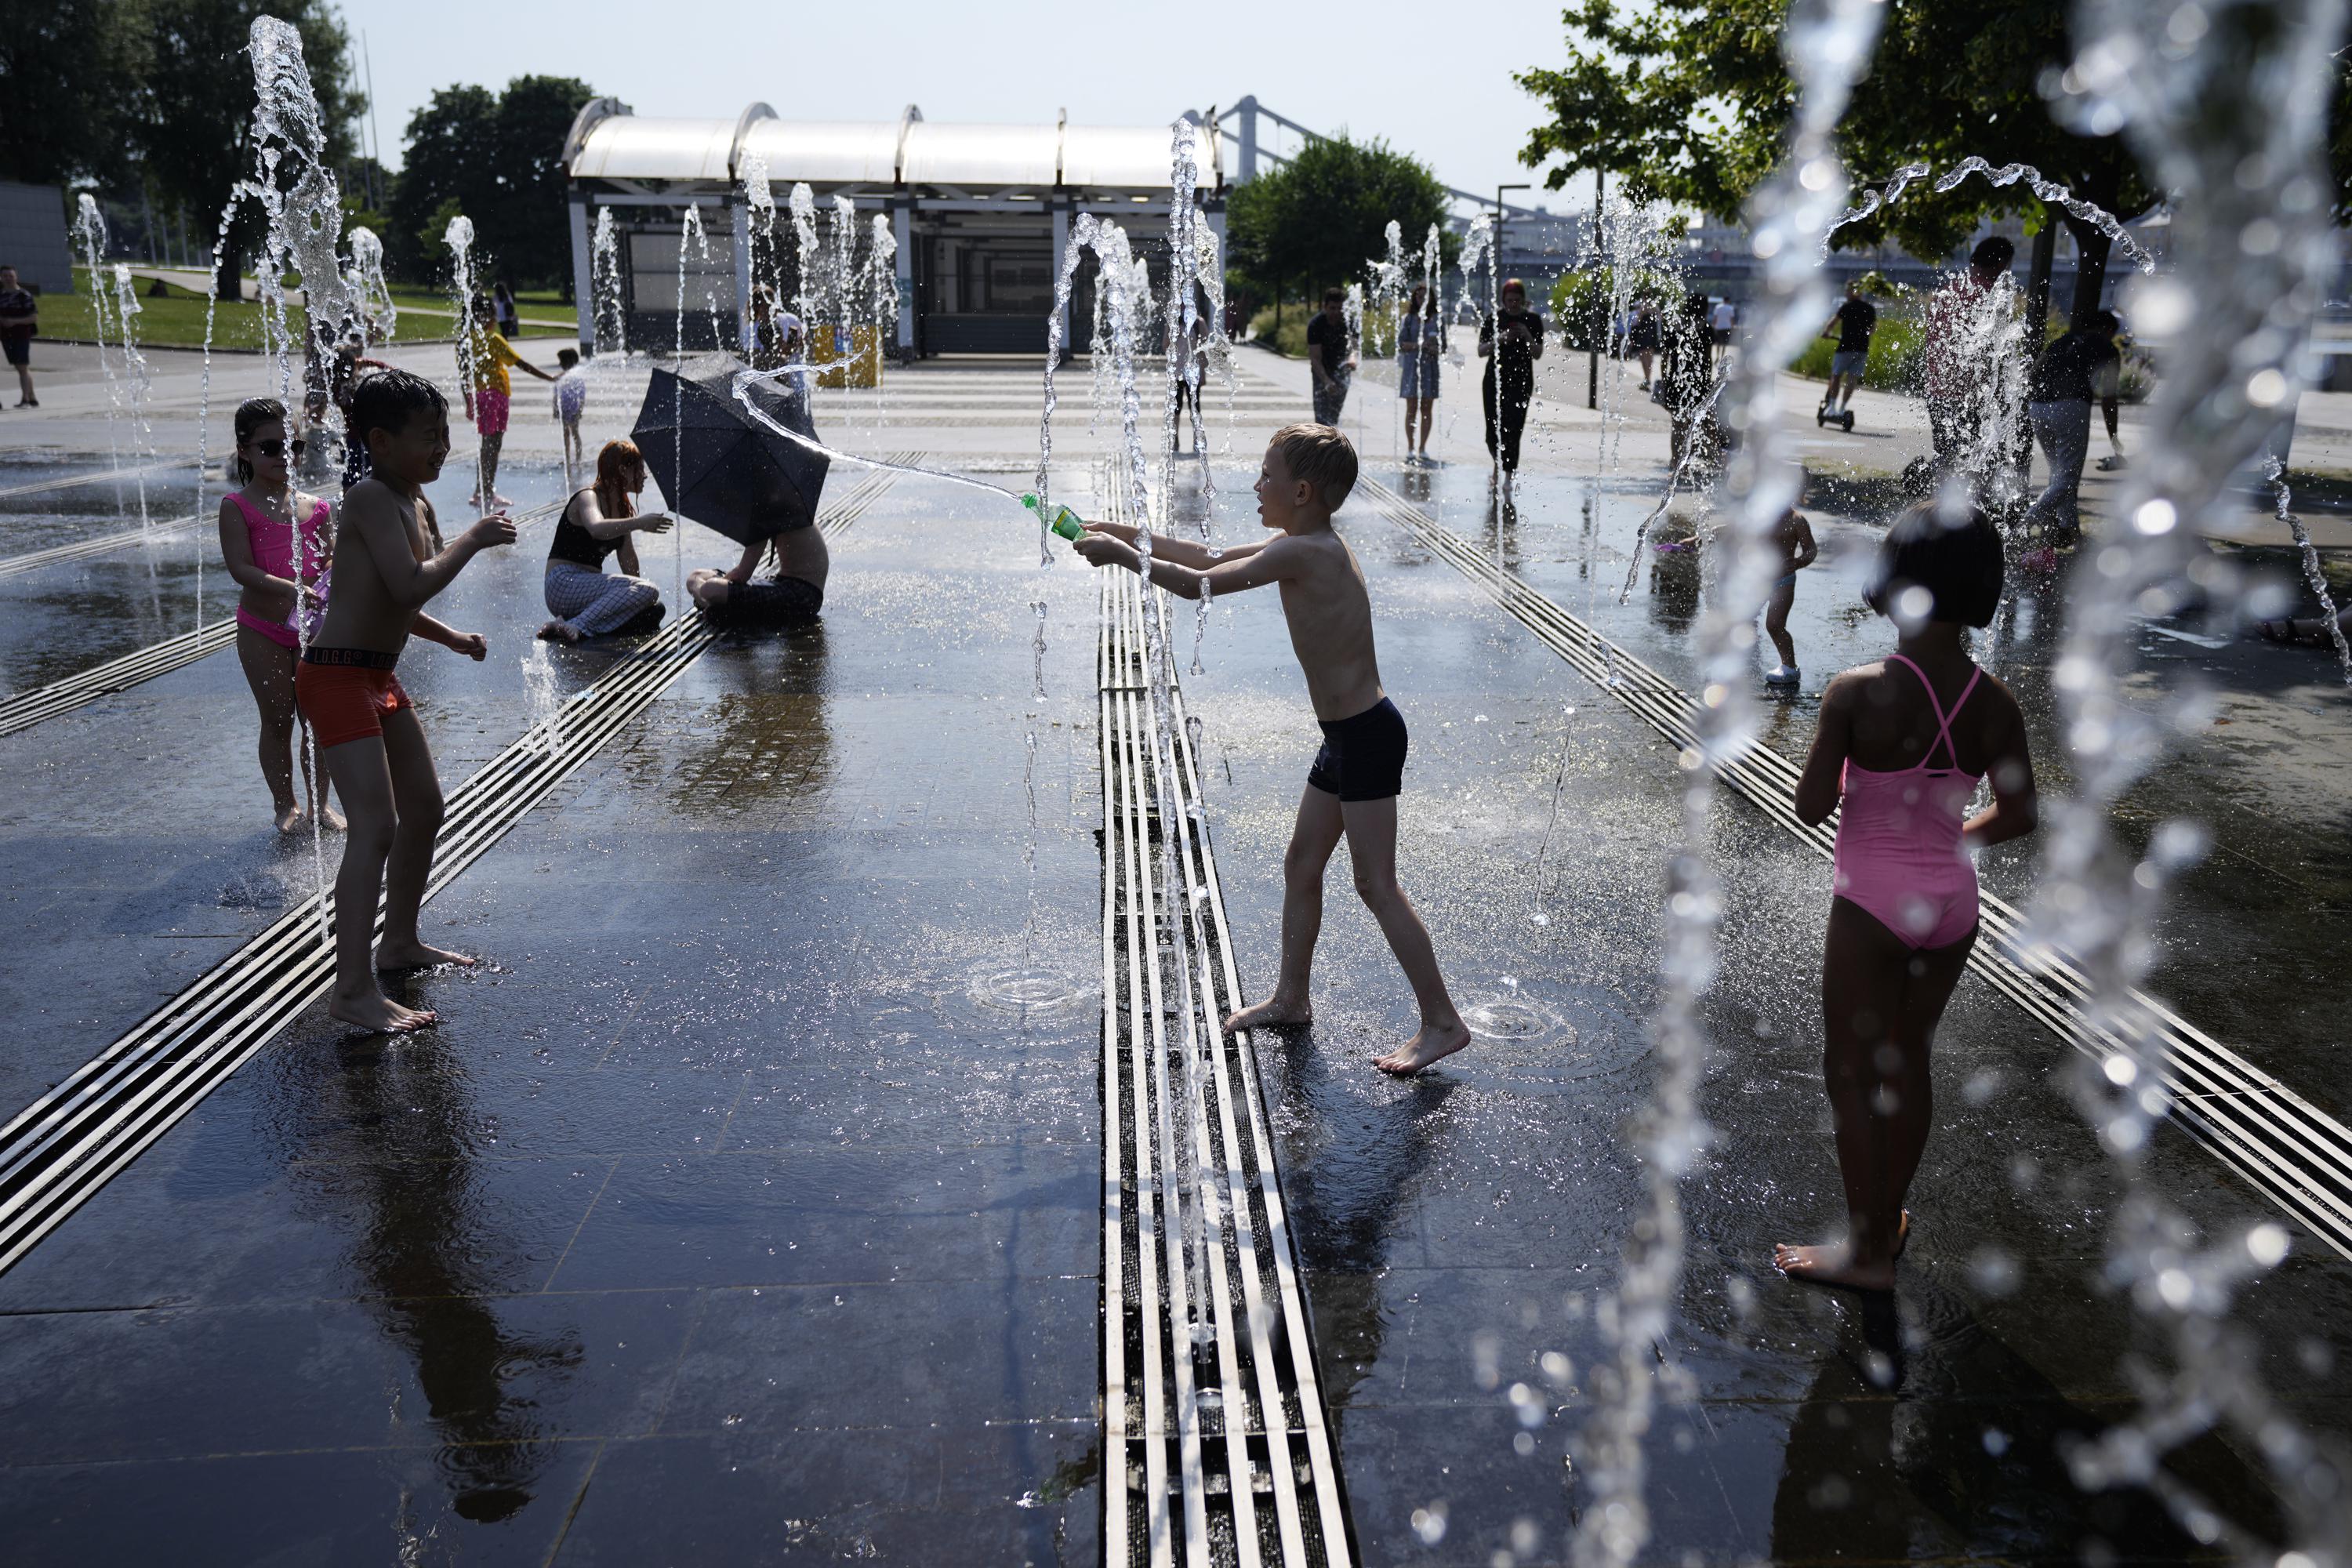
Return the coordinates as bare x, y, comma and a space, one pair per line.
1792, 538
385, 570
1351, 790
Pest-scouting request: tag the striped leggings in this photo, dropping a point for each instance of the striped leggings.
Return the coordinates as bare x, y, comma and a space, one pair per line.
594, 603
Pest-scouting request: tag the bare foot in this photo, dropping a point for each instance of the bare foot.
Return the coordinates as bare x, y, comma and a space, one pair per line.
559, 631
1432, 1044
1271, 1013
497, 499
288, 818
1832, 1266
419, 956
377, 1014
332, 819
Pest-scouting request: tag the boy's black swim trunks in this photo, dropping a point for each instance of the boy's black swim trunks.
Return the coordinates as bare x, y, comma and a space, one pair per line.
1363, 757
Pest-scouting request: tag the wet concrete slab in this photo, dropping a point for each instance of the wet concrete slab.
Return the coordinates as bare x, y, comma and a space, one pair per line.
746, 1204
1461, 1228
741, 1159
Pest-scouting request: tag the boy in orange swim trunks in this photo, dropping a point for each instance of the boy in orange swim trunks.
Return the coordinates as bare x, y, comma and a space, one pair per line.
385, 570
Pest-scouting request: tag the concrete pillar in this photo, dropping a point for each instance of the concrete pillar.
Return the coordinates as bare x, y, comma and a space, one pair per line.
1247, 110
740, 214
1061, 252
902, 229
584, 276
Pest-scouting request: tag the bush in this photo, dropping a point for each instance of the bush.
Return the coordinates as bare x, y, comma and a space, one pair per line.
1894, 363
1291, 341
1578, 297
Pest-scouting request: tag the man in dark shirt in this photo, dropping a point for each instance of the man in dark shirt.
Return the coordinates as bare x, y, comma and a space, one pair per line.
1510, 342
2082, 364
1331, 357
1852, 325
19, 319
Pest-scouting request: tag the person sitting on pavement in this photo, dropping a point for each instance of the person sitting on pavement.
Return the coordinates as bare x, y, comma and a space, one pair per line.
2068, 373
596, 522
2307, 631
793, 597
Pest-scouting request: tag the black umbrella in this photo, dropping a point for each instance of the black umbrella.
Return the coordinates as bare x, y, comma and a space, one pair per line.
719, 464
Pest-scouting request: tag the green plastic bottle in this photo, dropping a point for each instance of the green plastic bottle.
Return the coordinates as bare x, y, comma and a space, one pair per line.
1065, 522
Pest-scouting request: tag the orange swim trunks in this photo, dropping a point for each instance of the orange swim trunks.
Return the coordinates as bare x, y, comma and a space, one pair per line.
345, 692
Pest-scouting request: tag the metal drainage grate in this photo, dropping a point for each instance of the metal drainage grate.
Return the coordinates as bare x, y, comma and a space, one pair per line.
102, 544
27, 708
1221, 1451
71, 1142
2287, 1148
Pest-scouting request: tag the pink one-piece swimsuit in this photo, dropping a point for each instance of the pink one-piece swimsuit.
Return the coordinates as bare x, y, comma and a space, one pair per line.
1898, 839
272, 543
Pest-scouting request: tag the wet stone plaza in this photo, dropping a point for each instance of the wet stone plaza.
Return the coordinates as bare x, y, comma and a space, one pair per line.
791, 1181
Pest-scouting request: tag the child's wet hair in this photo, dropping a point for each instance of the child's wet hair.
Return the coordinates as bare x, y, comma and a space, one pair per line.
1956, 563
389, 399
567, 358
251, 416
1322, 457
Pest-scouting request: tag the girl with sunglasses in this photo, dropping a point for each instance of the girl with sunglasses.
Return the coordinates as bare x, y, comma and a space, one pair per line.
283, 570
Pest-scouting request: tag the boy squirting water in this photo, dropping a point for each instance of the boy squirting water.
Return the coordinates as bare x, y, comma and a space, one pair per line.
374, 749
1351, 790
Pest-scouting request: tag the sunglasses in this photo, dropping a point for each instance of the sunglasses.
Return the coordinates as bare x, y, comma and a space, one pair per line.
277, 449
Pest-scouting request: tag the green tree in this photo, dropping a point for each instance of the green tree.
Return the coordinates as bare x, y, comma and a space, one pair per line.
194, 118
72, 69
1691, 99
1317, 219
499, 157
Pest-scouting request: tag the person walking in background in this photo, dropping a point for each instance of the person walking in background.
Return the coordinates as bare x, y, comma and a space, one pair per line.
1852, 324
1960, 335
1643, 338
1723, 322
1420, 338
2080, 366
19, 322
488, 395
1898, 754
282, 571
586, 601
1510, 342
1686, 384
510, 318
1331, 357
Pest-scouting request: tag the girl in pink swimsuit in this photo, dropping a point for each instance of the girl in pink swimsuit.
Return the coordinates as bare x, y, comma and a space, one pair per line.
259, 543
1901, 748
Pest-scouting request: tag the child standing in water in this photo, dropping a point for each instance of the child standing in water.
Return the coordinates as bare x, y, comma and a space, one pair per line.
1902, 745
367, 729
1792, 536
1351, 790
488, 396
571, 398
277, 563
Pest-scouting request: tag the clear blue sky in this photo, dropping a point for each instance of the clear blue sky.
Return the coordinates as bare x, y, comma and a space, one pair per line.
1426, 76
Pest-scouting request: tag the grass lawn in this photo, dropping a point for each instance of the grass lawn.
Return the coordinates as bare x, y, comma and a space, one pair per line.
177, 320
